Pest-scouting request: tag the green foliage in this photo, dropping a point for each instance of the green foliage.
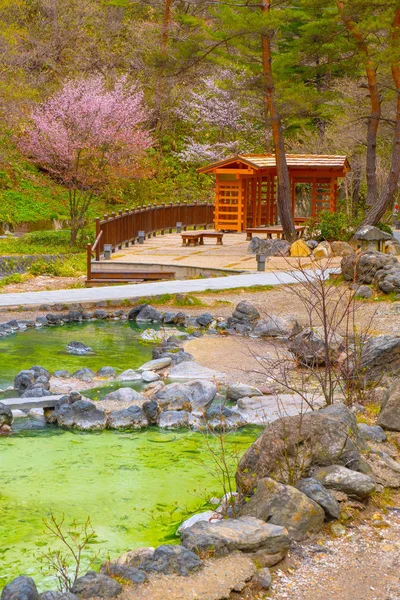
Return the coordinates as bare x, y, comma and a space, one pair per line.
71, 266
332, 227
10, 279
384, 227
39, 242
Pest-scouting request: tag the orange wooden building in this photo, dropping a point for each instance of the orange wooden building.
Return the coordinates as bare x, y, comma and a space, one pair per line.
245, 191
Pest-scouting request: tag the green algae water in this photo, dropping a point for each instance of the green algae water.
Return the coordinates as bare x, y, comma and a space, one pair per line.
115, 343
135, 486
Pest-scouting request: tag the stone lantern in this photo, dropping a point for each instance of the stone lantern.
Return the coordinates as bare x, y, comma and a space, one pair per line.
372, 238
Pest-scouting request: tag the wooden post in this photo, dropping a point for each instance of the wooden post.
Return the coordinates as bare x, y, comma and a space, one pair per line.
89, 262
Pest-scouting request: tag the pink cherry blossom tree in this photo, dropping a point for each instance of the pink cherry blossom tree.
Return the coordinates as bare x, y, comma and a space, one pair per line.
87, 135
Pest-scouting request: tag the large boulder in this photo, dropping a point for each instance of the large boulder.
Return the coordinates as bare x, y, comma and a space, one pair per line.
148, 314
246, 312
299, 248
82, 415
284, 505
246, 534
319, 494
380, 357
352, 483
155, 365
125, 394
276, 327
96, 585
24, 380
241, 390
389, 417
132, 417
21, 588
173, 419
388, 280
324, 437
312, 349
221, 418
195, 396
6, 416
374, 433
269, 247
341, 248
172, 560
362, 267
192, 370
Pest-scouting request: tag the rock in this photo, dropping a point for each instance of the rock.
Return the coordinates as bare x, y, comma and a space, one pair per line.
155, 365
172, 560
151, 335
107, 372
96, 585
129, 375
350, 482
62, 373
132, 417
24, 380
286, 506
21, 588
338, 530
6, 416
171, 318
388, 281
245, 311
133, 313
309, 346
134, 558
36, 392
373, 433
78, 348
246, 534
312, 244
84, 374
195, 396
82, 415
150, 376
241, 390
385, 470
380, 356
269, 247
263, 579
220, 418
341, 248
151, 411
389, 417
205, 319
318, 438
125, 394
40, 372
192, 370
314, 490
362, 267
173, 419
55, 595
392, 247
299, 248
323, 250
274, 326
208, 516
364, 292
123, 572
148, 314
100, 314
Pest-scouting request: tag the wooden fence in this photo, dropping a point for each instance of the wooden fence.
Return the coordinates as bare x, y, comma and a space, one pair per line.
122, 228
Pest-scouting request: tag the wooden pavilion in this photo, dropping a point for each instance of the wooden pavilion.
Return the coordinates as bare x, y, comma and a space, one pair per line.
245, 192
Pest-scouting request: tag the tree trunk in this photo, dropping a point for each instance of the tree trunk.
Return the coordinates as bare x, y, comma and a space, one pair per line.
375, 100
390, 188
284, 202
160, 77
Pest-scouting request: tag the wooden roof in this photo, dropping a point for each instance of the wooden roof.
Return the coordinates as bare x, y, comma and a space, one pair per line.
298, 161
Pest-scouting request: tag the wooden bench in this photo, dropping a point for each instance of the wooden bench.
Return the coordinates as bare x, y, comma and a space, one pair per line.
192, 238
273, 230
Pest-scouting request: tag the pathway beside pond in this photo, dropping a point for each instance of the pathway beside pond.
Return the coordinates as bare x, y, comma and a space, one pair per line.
121, 292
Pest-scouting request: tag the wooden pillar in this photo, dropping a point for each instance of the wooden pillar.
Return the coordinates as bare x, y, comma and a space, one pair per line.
333, 195
314, 198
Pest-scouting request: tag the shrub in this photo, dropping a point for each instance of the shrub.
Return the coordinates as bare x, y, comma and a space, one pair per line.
384, 227
332, 226
71, 266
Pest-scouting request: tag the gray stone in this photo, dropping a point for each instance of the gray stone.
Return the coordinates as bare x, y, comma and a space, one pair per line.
134, 558
341, 248
318, 438
127, 418
21, 588
24, 380
108, 372
82, 414
84, 374
40, 372
310, 347
125, 394
113, 569
314, 490
54, 595
173, 419
62, 373
389, 417
151, 411
388, 281
36, 392
155, 365
133, 313
245, 311
241, 390
192, 370
148, 314
362, 267
364, 292
78, 348
150, 376
373, 433
208, 516
6, 416
263, 579
195, 396
172, 560
221, 418
100, 314
345, 480
246, 534
269, 247
205, 319
285, 505
96, 585
275, 326
380, 356
370, 233
129, 375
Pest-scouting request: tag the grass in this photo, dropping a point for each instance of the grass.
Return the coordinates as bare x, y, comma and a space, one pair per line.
39, 242
239, 290
370, 415
15, 278
170, 300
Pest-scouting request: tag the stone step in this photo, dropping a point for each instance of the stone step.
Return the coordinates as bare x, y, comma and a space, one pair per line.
27, 403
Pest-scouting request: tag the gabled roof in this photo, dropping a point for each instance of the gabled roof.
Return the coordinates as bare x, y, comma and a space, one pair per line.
300, 161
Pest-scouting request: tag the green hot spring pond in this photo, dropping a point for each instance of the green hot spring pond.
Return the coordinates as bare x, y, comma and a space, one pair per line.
136, 487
